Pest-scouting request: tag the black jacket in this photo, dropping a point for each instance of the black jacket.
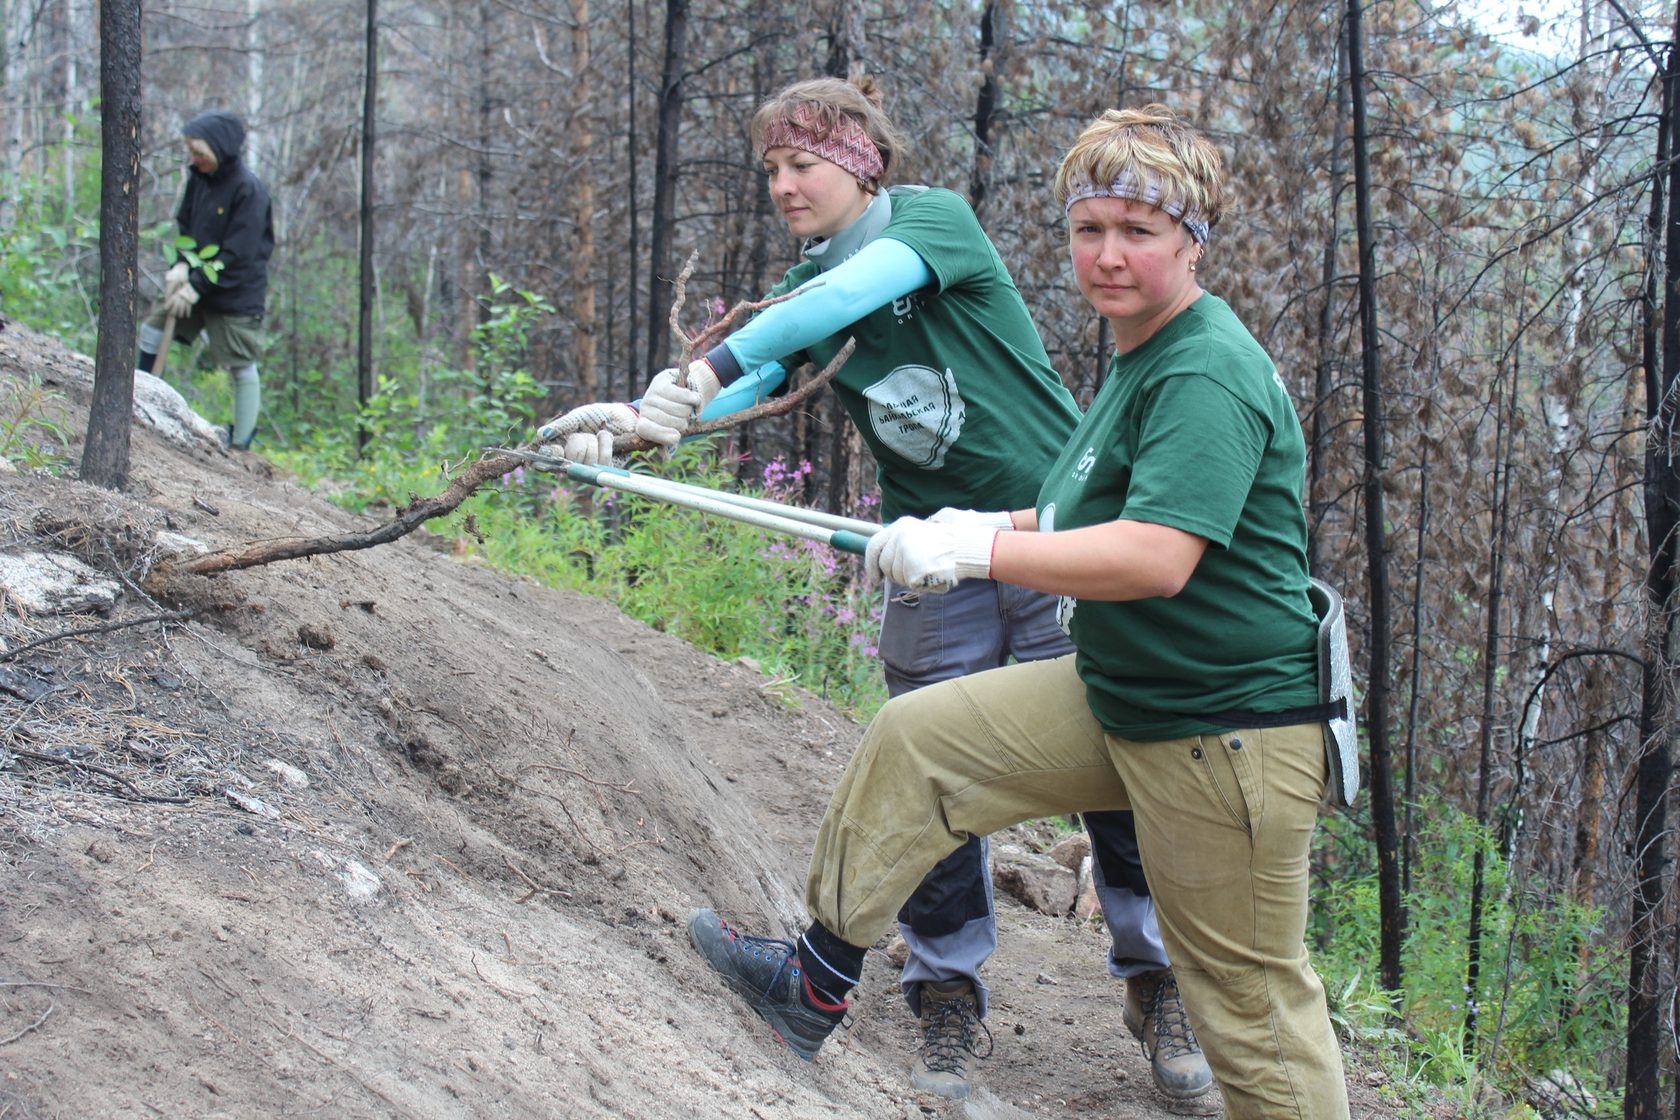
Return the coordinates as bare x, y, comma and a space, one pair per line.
228, 208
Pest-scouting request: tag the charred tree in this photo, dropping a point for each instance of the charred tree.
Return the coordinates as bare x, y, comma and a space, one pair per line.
1642, 1098
366, 384
665, 183
1376, 533
985, 109
105, 451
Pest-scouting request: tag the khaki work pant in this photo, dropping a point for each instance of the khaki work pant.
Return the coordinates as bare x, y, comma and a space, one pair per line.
1224, 824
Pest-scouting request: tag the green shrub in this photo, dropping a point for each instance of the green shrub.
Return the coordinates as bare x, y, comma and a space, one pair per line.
789, 604
1538, 1006
34, 428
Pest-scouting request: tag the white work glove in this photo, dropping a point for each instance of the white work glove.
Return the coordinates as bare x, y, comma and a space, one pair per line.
926, 556
996, 519
179, 302
670, 406
585, 434
174, 278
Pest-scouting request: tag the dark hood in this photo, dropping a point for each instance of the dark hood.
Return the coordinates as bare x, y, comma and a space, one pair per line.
222, 131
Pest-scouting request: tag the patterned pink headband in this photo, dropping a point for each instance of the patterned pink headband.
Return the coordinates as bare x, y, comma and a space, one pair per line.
846, 145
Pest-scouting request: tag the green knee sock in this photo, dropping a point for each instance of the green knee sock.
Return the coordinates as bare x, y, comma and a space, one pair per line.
247, 404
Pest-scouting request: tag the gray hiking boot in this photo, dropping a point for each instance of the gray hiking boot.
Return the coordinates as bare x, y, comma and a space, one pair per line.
951, 1038
1154, 1013
766, 971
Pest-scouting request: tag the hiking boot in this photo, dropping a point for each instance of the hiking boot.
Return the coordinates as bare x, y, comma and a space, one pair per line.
951, 1034
766, 971
1154, 1013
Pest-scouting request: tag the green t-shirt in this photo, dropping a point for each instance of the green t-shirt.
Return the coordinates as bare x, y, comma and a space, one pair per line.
950, 385
1193, 430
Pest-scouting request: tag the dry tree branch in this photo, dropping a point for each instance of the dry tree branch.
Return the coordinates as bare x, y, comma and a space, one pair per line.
536, 890
476, 474
36, 1025
168, 616
408, 519
714, 333
44, 984
136, 793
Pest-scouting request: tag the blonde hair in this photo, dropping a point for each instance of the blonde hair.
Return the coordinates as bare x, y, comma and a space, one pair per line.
1151, 146
201, 148
821, 107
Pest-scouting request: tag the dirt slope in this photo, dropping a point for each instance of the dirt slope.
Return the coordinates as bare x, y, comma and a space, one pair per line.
386, 834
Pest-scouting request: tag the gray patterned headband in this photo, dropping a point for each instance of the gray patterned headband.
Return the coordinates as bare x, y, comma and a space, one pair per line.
1147, 191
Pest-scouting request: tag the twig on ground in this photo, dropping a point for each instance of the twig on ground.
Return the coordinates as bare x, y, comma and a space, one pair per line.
536, 889
581, 777
166, 617
43, 984
508, 992
578, 828
36, 1025
655, 841
75, 764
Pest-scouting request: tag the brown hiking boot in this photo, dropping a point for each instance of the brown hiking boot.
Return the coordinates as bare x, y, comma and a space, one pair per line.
951, 1037
1154, 1013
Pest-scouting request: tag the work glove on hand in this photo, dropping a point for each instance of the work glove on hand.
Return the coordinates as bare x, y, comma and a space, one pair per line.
174, 278
179, 302
927, 556
671, 403
996, 519
585, 434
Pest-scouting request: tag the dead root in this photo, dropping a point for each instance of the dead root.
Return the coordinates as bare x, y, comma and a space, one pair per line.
493, 466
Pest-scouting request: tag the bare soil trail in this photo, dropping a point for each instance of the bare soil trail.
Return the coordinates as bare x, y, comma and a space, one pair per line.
387, 834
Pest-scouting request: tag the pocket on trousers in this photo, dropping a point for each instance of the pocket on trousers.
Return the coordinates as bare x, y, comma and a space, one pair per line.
913, 633
1225, 765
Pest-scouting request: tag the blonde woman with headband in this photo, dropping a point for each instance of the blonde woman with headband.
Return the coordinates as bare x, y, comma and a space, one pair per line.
952, 390
1171, 528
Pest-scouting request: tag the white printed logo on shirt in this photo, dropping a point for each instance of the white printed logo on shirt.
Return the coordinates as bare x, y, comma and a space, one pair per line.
1064, 613
917, 412
1082, 469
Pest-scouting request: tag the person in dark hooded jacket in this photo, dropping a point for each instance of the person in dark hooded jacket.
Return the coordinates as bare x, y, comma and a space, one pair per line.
224, 205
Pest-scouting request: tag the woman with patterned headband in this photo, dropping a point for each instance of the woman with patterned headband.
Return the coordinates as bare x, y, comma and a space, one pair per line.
954, 394
1171, 527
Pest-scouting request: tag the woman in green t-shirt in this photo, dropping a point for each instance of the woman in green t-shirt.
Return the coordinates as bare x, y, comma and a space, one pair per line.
1170, 526
951, 388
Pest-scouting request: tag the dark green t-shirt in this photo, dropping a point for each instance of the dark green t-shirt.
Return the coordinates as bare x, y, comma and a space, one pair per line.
1193, 430
950, 385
